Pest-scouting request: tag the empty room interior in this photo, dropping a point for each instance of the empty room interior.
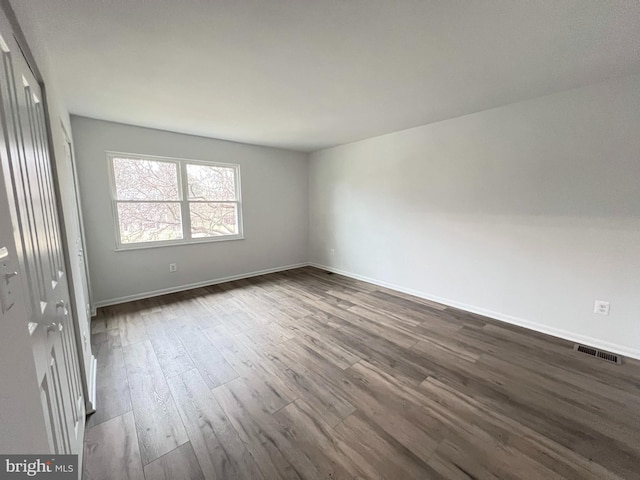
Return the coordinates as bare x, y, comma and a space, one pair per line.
296, 239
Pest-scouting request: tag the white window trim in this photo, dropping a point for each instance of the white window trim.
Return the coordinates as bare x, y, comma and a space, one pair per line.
184, 202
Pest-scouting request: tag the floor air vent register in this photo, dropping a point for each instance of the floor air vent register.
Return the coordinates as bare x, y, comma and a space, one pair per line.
601, 354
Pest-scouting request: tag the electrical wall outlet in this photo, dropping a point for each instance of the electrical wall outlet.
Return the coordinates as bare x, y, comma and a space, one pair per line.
332, 252
601, 308
173, 267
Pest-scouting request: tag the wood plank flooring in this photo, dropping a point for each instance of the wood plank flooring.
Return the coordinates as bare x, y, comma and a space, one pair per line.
308, 375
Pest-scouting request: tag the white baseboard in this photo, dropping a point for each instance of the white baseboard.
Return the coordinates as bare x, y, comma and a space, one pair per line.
556, 332
537, 327
92, 387
206, 283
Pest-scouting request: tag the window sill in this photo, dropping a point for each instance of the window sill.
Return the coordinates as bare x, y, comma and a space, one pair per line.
176, 243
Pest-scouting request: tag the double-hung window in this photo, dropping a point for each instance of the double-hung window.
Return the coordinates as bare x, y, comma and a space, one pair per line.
165, 201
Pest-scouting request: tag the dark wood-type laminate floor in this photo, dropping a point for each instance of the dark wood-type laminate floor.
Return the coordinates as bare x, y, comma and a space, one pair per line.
308, 375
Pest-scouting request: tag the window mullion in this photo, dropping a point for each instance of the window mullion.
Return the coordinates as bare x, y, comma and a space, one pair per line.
184, 202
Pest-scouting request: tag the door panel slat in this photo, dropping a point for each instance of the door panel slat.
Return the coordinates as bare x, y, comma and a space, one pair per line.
45, 401
38, 162
54, 374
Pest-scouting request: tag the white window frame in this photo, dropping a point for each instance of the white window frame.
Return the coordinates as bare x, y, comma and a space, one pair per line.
183, 188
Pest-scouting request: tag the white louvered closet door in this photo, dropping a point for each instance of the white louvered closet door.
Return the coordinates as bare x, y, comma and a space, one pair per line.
28, 174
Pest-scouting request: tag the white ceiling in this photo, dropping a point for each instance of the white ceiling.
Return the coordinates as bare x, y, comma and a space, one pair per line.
308, 74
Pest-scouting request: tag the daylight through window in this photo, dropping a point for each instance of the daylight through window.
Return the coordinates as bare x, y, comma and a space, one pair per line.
166, 201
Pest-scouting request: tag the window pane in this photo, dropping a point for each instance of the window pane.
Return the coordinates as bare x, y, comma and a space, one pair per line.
211, 183
145, 179
149, 222
213, 219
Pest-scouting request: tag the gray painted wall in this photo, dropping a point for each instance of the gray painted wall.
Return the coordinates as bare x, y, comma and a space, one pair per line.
275, 210
529, 212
